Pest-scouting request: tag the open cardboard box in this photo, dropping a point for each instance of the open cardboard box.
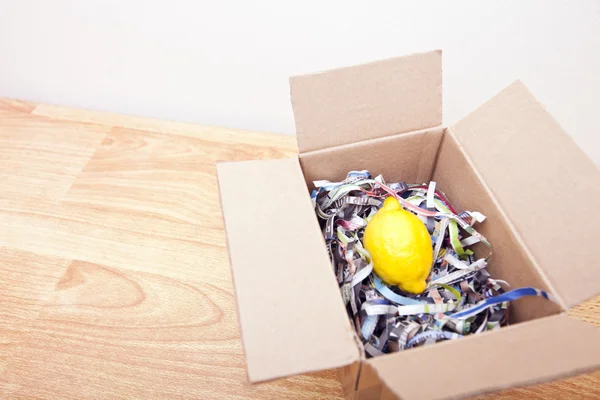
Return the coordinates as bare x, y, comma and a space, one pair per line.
509, 160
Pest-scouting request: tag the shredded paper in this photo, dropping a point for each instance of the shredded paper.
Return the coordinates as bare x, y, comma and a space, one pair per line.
461, 297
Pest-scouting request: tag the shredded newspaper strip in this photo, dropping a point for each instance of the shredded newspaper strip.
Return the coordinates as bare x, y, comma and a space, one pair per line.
461, 297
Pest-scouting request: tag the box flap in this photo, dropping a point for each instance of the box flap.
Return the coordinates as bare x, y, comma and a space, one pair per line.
291, 313
367, 101
546, 185
523, 354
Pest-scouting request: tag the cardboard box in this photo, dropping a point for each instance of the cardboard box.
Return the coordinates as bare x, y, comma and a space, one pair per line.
509, 159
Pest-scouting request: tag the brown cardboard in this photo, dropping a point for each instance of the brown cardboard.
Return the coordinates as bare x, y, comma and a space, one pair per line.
367, 101
509, 160
416, 149
547, 187
348, 377
517, 355
277, 252
457, 177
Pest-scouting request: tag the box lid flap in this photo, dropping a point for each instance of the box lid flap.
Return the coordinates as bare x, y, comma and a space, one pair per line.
291, 313
522, 354
546, 185
367, 101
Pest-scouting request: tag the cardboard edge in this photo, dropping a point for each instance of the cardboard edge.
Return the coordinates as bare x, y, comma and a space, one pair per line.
547, 378
437, 51
418, 150
359, 351
434, 129
561, 302
347, 376
506, 385
436, 159
230, 269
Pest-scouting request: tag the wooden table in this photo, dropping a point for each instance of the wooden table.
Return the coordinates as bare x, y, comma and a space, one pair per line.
114, 276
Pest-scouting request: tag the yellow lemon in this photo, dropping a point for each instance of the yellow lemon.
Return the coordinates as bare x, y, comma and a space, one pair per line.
400, 247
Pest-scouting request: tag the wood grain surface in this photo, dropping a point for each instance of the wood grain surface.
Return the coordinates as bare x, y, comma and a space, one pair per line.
114, 275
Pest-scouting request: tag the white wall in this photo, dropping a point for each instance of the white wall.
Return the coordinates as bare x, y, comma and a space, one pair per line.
227, 62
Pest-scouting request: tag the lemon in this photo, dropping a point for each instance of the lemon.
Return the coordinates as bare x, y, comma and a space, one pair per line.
400, 247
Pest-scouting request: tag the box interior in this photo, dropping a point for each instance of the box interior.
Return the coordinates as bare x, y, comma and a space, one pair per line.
435, 154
